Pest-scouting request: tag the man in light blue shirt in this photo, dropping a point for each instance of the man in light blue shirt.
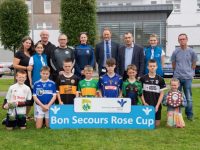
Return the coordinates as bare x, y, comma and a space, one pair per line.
184, 62
128, 54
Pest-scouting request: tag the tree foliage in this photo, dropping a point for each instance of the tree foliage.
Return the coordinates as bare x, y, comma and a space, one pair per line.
78, 16
14, 23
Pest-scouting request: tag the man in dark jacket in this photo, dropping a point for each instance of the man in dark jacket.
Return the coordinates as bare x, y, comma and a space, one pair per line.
130, 53
104, 50
48, 49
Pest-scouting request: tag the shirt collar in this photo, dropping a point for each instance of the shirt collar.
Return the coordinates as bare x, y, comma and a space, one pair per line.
109, 41
131, 45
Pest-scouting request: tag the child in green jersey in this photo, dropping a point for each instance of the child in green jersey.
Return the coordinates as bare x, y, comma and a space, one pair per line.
132, 88
87, 87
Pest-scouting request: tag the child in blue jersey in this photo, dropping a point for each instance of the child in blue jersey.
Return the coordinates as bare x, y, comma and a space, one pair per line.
44, 95
37, 61
110, 84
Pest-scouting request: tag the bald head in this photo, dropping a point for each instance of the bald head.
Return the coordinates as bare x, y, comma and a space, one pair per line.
44, 35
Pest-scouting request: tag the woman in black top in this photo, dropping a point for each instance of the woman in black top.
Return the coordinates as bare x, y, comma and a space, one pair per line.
21, 58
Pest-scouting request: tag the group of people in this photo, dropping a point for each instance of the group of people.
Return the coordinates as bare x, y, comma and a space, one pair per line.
64, 73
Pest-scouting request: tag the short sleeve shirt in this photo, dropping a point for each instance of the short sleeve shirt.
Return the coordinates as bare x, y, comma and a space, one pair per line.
44, 90
132, 90
24, 60
152, 88
67, 88
110, 86
88, 88
19, 93
183, 60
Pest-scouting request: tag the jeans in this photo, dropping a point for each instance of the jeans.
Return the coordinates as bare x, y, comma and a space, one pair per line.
186, 85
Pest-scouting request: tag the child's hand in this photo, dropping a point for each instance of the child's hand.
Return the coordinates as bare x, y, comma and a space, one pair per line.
6, 106
12, 105
146, 104
82, 72
45, 108
156, 108
61, 103
29, 68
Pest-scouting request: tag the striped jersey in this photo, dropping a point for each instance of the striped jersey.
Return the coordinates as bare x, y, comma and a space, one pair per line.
88, 88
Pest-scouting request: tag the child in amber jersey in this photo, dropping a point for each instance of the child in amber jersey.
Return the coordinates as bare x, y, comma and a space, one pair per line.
67, 84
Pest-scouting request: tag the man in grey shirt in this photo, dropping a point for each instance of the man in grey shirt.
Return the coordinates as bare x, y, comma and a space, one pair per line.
62, 52
184, 62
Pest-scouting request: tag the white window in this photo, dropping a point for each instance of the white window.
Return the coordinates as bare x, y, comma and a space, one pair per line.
177, 5
28, 3
47, 6
198, 5
44, 25
168, 1
153, 2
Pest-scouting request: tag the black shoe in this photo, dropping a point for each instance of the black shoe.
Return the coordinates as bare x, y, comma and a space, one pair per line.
190, 118
4, 121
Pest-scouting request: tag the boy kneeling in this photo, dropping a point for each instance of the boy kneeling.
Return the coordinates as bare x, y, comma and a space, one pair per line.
18, 97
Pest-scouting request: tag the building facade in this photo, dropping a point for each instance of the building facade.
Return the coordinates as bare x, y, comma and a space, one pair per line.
137, 16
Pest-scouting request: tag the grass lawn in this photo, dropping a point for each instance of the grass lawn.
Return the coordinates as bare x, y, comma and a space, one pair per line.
162, 138
5, 83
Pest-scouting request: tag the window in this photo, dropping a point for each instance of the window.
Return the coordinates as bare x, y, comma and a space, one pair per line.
168, 1
153, 2
28, 3
198, 5
177, 5
44, 25
47, 6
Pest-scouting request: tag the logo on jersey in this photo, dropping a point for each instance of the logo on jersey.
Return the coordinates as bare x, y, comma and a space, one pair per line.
72, 81
110, 88
87, 51
40, 91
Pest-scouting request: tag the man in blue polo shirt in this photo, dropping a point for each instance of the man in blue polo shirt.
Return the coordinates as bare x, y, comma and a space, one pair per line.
184, 62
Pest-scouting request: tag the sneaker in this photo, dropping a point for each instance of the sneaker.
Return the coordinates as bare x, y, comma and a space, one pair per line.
190, 118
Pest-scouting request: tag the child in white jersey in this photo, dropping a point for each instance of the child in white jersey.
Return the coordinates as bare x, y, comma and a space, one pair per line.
18, 97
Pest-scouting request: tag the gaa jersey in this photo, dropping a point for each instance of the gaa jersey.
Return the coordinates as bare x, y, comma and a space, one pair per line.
110, 86
88, 88
132, 91
44, 90
67, 88
152, 88
19, 93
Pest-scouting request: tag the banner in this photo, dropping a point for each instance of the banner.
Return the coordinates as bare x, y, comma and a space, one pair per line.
109, 105
64, 116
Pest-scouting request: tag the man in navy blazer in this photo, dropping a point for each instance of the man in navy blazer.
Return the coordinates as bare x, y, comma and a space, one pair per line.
100, 51
130, 53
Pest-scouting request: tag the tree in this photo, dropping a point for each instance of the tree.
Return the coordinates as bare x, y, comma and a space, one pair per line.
78, 16
14, 23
